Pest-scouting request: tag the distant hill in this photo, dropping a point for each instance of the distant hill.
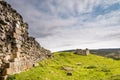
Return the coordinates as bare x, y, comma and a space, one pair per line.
111, 52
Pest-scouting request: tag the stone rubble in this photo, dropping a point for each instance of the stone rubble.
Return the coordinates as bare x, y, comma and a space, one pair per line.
18, 51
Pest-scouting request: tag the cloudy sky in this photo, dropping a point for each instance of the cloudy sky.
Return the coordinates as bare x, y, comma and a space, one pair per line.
70, 24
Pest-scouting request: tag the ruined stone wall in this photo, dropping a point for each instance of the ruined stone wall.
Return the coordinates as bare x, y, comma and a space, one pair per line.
18, 51
82, 52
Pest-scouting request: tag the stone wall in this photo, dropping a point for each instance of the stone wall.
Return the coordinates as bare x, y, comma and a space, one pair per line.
18, 51
82, 52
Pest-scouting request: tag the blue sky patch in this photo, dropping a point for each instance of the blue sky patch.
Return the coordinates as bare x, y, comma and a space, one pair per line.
100, 10
75, 22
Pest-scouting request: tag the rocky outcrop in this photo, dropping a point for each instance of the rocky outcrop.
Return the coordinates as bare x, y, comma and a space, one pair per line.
82, 52
18, 51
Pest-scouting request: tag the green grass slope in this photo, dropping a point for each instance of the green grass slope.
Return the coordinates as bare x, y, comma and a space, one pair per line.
69, 66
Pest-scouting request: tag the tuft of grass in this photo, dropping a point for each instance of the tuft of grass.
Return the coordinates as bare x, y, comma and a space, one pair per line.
91, 67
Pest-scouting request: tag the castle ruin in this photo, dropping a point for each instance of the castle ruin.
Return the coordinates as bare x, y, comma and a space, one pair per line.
82, 52
18, 51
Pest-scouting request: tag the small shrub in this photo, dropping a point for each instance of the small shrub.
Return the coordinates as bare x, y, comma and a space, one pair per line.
11, 77
114, 77
105, 70
91, 67
61, 54
69, 73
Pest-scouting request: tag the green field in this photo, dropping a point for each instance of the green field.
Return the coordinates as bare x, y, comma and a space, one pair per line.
69, 66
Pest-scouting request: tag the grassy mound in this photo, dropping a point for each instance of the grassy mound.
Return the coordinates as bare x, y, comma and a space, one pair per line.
69, 66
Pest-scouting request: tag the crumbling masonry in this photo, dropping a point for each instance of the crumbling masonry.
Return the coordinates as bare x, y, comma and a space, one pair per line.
18, 51
82, 52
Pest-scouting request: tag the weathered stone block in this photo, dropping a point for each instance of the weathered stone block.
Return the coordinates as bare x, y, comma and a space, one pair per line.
18, 37
7, 58
16, 59
18, 25
36, 64
7, 65
18, 45
4, 72
8, 71
18, 31
3, 36
17, 55
3, 77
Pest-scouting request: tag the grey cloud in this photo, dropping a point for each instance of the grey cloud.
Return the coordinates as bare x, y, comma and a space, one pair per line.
55, 31
112, 36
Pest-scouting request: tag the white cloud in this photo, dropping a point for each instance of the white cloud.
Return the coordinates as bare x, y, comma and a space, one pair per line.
66, 24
